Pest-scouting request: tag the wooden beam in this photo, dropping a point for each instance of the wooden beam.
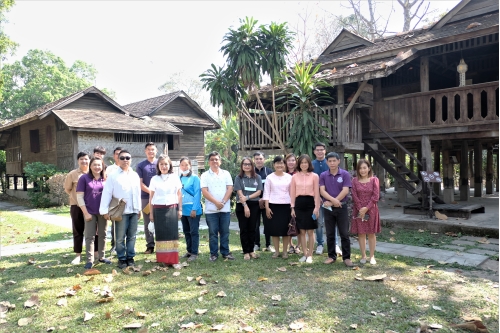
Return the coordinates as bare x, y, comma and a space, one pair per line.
349, 107
424, 73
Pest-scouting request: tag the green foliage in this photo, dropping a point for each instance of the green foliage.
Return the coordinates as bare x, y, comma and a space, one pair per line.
40, 78
306, 115
3, 170
38, 173
7, 46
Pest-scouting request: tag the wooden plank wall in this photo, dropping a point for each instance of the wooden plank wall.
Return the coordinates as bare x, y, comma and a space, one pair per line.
45, 155
409, 112
91, 102
475, 8
177, 108
65, 152
13, 152
191, 144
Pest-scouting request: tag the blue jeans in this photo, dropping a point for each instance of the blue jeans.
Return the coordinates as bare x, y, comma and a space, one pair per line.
319, 231
127, 227
218, 223
190, 227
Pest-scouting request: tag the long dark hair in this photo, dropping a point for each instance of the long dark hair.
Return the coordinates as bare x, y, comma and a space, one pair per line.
170, 165
306, 157
360, 163
252, 171
286, 161
102, 164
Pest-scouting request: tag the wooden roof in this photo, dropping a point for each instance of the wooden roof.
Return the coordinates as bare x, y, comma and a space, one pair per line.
346, 40
150, 106
467, 9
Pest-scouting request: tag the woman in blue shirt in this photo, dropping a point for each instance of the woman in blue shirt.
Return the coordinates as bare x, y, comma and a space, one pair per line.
191, 208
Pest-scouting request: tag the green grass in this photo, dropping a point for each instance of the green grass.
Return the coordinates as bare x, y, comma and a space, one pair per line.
16, 229
327, 298
414, 237
60, 210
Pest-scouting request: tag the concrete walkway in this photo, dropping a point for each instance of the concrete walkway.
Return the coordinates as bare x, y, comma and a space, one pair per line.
465, 250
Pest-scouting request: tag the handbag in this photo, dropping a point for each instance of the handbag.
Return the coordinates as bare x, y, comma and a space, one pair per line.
116, 209
292, 227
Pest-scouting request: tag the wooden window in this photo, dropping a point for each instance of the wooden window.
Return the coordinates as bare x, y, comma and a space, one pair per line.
34, 141
126, 137
48, 138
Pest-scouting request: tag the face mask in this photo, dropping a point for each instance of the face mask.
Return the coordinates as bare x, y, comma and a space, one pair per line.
185, 172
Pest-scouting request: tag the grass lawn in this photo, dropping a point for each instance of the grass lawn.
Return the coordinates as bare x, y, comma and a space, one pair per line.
324, 298
59, 210
16, 228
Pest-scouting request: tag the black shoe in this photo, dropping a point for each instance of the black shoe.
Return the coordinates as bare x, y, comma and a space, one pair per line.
149, 250
213, 258
88, 265
228, 257
122, 264
105, 261
130, 262
186, 255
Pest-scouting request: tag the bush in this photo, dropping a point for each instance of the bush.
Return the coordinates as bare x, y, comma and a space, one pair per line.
38, 173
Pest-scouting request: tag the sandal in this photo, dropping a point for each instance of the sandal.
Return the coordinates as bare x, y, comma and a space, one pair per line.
291, 250
275, 255
246, 256
254, 255
297, 249
284, 256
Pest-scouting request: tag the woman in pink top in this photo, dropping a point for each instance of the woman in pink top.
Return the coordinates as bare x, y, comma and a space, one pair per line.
277, 201
305, 203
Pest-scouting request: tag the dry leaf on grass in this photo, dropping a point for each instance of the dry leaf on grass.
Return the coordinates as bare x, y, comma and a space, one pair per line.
202, 282
435, 326
353, 326
297, 325
89, 279
146, 273
132, 326
247, 328
276, 298
190, 325
62, 302
355, 268
217, 327
108, 315
421, 230
141, 315
260, 279
293, 263
203, 292
32, 301
392, 239
221, 294
155, 324
108, 278
281, 269
390, 331
69, 270
393, 299
190, 278
114, 272
92, 271
127, 270
200, 311
467, 318
24, 321
437, 308
10, 283
87, 316
392, 232
474, 326
421, 287
105, 300
176, 273
379, 277
137, 268
31, 261
200, 299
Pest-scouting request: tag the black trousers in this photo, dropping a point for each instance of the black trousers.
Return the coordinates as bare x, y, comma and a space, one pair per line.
338, 217
257, 229
247, 224
78, 224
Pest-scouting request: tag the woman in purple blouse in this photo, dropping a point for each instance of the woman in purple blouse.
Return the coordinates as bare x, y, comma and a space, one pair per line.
88, 195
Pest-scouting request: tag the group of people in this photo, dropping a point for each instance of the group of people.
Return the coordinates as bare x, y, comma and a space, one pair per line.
314, 193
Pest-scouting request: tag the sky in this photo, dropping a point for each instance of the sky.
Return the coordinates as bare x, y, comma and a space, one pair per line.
137, 45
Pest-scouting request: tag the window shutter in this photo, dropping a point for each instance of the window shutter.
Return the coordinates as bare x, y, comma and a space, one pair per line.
34, 141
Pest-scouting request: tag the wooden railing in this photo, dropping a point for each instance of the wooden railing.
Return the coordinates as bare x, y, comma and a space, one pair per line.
458, 106
341, 130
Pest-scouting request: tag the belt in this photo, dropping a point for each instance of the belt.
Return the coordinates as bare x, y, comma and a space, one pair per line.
165, 206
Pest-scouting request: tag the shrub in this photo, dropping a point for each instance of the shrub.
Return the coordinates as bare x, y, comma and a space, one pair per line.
56, 188
38, 173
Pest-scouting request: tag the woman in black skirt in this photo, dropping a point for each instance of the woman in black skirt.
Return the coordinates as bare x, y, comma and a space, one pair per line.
277, 200
305, 202
248, 187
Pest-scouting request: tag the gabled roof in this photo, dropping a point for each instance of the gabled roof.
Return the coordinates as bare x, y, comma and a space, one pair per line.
47, 108
149, 106
467, 9
346, 40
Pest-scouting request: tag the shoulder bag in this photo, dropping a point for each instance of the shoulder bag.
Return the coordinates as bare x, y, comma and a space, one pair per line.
116, 209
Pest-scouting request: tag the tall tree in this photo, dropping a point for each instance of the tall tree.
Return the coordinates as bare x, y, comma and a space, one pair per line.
250, 51
412, 9
374, 22
40, 78
7, 46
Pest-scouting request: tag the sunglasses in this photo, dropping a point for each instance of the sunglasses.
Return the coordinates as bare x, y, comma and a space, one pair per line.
125, 158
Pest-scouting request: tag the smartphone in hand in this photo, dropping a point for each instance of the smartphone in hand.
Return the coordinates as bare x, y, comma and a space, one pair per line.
314, 217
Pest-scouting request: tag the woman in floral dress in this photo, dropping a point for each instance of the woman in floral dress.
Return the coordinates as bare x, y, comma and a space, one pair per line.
366, 217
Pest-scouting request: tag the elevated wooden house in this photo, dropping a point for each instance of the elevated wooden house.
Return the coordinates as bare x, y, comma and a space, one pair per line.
57, 131
402, 96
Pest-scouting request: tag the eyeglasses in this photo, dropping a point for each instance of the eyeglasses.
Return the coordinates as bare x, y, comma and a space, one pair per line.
247, 164
125, 158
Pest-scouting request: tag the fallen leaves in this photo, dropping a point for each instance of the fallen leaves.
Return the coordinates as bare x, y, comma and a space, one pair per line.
92, 271
132, 326
32, 301
419, 288
297, 325
221, 294
474, 326
473, 25
190, 325
87, 316
31, 261
201, 311
141, 315
261, 279
440, 216
437, 308
62, 302
217, 327
24, 321
176, 273
281, 269
379, 277
276, 298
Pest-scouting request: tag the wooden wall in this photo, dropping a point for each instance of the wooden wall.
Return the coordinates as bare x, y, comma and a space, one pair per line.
48, 152
66, 155
177, 108
191, 144
13, 152
91, 102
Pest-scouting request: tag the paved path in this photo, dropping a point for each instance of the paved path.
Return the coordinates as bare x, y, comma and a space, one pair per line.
465, 250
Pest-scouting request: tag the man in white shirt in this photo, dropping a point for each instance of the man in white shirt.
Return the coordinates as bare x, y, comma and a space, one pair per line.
109, 171
124, 184
217, 186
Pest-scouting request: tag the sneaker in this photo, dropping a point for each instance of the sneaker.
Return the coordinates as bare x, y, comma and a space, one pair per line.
149, 250
212, 258
122, 264
112, 252
186, 255
338, 250
348, 263
192, 257
256, 248
271, 249
309, 260
319, 249
76, 261
88, 265
228, 257
130, 262
105, 261
362, 261
373, 261
303, 259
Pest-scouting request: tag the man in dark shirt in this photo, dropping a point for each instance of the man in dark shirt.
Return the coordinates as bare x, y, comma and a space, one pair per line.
263, 172
146, 170
320, 166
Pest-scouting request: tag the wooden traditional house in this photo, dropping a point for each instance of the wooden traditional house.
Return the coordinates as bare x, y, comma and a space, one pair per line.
57, 131
403, 96
179, 109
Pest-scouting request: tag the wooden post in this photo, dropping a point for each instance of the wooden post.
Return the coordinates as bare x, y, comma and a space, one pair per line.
7, 182
402, 192
497, 172
25, 183
464, 172
437, 167
354, 161
471, 165
424, 73
419, 157
412, 165
478, 169
448, 191
340, 110
489, 169
15, 183
342, 160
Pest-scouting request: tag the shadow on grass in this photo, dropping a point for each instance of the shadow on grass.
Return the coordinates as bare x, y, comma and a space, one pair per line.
325, 297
